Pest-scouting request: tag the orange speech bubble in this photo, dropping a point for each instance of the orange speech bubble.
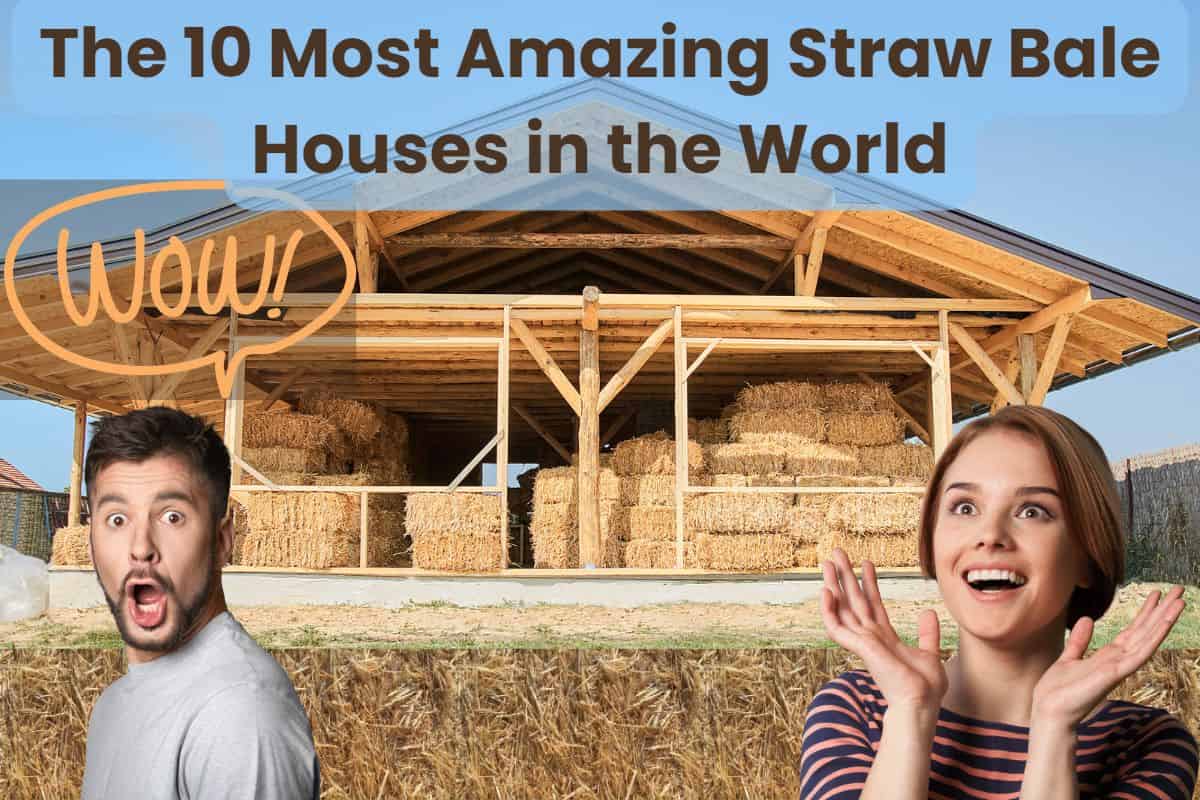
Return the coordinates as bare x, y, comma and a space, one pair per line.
100, 293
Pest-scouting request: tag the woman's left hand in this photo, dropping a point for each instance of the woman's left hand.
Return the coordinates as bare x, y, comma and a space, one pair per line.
1073, 686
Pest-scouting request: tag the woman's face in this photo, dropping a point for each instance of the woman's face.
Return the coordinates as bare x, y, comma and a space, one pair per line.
1000, 507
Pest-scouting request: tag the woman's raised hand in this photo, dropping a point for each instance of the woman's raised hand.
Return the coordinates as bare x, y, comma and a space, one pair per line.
909, 677
1073, 685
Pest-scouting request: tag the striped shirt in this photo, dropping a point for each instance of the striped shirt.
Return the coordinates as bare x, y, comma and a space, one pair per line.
1125, 751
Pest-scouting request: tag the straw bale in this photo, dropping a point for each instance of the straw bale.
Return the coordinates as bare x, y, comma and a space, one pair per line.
360, 421
282, 477
737, 513
561, 485
747, 459
708, 431
807, 520
807, 554
314, 512
777, 426
865, 427
614, 521
814, 458
389, 502
857, 396
866, 514
605, 459
453, 512
656, 523
737, 479
647, 490
652, 554
471, 550
882, 550
554, 530
653, 453
269, 460
284, 429
781, 395
70, 547
313, 530
241, 529
897, 460
746, 552
842, 480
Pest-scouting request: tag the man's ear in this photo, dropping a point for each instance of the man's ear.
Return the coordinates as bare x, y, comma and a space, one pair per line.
225, 537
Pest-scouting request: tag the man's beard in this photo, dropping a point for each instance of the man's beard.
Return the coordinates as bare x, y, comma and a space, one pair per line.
188, 612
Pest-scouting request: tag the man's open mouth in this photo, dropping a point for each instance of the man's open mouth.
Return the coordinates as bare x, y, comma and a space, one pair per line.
147, 602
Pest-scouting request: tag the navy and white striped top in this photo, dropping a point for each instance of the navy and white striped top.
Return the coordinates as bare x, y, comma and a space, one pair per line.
1126, 751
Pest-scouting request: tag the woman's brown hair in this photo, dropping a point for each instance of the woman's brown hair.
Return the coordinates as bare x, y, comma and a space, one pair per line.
1087, 487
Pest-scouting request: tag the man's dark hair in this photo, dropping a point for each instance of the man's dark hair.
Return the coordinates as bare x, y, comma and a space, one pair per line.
159, 430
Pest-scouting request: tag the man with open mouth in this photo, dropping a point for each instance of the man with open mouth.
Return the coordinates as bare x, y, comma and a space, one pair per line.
203, 711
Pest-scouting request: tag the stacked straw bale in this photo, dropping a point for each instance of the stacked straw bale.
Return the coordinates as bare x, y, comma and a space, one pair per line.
647, 493
455, 531
70, 547
554, 527
332, 442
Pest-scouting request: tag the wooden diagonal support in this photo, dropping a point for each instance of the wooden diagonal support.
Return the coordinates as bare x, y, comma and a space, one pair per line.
1046, 373
462, 476
365, 257
820, 220
381, 245
258, 476
280, 390
700, 358
547, 364
525, 414
812, 273
125, 352
1012, 371
617, 425
977, 354
200, 347
625, 374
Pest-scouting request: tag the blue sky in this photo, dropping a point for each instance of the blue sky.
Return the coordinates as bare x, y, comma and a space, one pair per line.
1119, 187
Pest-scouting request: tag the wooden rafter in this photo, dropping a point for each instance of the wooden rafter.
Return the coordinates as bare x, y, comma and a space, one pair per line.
596, 241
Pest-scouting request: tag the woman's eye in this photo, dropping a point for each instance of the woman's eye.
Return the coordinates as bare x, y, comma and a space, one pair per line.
1033, 512
115, 520
963, 507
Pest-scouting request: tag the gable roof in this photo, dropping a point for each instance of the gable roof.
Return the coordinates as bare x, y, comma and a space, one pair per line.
13, 478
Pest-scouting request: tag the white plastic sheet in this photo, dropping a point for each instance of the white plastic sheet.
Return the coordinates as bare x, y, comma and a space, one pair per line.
24, 586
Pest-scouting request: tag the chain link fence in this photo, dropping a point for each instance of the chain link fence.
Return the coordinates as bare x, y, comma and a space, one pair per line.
29, 518
1160, 497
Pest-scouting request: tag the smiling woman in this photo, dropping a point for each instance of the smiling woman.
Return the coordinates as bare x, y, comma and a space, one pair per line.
1020, 528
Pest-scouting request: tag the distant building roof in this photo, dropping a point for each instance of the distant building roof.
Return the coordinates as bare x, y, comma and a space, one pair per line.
13, 478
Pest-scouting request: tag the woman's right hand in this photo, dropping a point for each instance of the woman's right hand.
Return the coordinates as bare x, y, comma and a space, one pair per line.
909, 677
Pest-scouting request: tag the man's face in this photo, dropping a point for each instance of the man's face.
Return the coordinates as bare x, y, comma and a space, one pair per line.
157, 556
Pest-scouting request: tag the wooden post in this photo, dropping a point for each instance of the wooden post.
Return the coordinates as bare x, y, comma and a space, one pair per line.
235, 405
941, 406
798, 273
502, 415
365, 258
362, 529
1050, 359
76, 502
816, 252
681, 433
589, 430
1028, 352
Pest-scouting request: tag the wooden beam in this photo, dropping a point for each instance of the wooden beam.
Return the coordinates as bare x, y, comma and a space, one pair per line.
1027, 348
378, 241
547, 364
282, 387
1012, 371
474, 462
591, 309
799, 269
540, 429
365, 257
125, 353
626, 373
235, 405
75, 501
985, 363
812, 273
616, 426
941, 405
589, 436
594, 241
200, 347
681, 431
502, 429
1045, 376
39, 384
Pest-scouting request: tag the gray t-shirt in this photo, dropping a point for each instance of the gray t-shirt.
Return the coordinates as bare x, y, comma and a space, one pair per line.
217, 718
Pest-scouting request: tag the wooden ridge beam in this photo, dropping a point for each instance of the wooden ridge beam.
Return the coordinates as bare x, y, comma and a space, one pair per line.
596, 241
